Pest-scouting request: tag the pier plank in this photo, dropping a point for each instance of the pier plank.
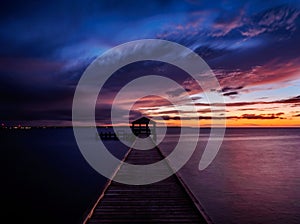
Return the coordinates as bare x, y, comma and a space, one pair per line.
166, 201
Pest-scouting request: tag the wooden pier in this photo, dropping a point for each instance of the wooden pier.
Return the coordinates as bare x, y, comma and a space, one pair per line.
167, 201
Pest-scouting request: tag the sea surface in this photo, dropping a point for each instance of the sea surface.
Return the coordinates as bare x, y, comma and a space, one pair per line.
255, 177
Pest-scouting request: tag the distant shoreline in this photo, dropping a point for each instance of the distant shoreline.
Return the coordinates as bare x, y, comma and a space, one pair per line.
172, 127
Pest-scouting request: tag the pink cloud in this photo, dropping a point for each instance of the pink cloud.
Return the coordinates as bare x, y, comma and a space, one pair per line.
222, 28
293, 100
252, 32
273, 20
272, 72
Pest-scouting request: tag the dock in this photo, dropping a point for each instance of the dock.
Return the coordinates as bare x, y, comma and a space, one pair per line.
167, 201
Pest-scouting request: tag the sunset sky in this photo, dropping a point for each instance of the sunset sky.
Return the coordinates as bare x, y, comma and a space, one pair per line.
253, 48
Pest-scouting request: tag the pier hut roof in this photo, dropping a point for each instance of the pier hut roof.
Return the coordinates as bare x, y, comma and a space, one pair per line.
143, 120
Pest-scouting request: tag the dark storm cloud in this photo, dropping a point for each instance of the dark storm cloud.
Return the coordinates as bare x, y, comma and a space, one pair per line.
244, 116
231, 93
227, 88
260, 116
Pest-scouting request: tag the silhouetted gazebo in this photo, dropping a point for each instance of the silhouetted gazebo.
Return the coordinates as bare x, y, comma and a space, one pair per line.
144, 126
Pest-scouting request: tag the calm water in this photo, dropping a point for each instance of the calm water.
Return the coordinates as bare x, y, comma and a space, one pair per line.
255, 177
45, 178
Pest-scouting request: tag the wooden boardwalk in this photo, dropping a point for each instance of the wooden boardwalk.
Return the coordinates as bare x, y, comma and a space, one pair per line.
167, 201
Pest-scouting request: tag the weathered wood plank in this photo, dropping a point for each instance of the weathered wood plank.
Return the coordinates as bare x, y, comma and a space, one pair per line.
166, 201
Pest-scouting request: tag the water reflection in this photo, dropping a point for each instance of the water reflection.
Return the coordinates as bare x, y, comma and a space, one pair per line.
254, 178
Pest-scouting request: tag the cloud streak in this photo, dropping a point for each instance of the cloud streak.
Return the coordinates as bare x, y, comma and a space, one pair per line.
292, 100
